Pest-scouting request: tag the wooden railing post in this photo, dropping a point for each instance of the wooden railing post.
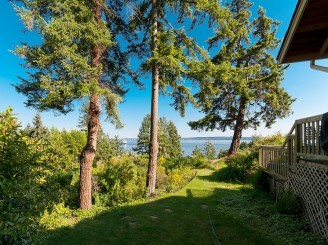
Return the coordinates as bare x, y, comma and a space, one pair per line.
290, 150
298, 143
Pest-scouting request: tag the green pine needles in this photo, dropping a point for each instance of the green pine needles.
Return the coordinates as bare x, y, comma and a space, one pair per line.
240, 86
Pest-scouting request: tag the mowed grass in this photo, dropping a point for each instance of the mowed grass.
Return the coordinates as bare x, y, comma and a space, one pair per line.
185, 217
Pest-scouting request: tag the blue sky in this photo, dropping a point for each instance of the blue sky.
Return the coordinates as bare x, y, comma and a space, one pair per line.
306, 85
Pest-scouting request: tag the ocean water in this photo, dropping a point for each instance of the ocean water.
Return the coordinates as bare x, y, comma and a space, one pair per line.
188, 145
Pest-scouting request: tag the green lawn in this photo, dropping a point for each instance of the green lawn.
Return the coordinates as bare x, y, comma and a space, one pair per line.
239, 216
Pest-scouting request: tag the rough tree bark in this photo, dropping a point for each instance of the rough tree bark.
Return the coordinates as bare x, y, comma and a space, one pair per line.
153, 146
89, 151
235, 143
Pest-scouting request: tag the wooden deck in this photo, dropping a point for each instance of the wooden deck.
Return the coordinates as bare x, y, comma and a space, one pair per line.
302, 143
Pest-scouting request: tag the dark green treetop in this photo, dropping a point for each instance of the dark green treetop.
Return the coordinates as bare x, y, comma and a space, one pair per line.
38, 131
60, 69
242, 85
168, 138
143, 136
175, 140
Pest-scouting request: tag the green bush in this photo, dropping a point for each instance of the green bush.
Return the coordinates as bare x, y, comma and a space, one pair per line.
243, 167
259, 180
223, 153
289, 203
120, 180
239, 167
22, 175
174, 173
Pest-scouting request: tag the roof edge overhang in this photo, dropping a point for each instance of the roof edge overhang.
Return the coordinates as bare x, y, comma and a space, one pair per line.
298, 13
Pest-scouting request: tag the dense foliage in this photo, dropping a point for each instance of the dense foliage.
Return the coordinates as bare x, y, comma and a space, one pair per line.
39, 176
243, 167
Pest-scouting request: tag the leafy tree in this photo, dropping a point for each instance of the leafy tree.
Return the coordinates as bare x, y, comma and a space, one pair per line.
21, 172
167, 54
65, 148
209, 150
240, 86
79, 58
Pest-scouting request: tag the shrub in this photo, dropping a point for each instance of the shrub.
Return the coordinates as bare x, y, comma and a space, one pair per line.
174, 173
222, 153
259, 180
120, 180
177, 178
239, 167
289, 203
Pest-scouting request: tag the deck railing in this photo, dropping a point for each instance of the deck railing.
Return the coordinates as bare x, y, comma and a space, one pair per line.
303, 141
274, 159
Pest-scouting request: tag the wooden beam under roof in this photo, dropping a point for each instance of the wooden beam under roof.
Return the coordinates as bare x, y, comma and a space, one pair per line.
307, 33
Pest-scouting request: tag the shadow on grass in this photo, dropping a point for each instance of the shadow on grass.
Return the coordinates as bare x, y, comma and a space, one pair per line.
185, 217
171, 220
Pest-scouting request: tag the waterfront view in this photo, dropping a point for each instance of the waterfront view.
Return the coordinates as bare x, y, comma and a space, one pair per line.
189, 144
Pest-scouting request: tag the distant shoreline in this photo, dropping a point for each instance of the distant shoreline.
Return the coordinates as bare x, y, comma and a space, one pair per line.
215, 138
205, 138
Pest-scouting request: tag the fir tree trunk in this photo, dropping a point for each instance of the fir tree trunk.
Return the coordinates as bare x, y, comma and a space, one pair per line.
89, 151
153, 146
235, 143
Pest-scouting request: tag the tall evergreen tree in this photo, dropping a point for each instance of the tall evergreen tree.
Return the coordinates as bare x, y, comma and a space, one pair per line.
79, 58
168, 138
143, 136
167, 56
175, 149
163, 138
38, 131
240, 85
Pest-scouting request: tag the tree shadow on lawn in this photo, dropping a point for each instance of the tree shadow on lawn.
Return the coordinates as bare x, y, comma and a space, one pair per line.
170, 220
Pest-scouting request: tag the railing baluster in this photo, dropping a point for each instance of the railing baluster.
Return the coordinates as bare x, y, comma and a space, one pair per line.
317, 138
313, 132
308, 138
304, 138
299, 140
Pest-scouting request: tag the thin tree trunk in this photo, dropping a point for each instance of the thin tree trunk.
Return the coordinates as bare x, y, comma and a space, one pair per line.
235, 143
153, 146
89, 151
